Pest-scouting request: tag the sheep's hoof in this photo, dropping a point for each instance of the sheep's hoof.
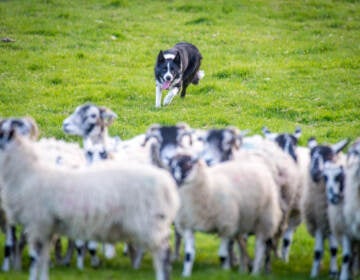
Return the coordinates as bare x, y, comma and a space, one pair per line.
333, 274
95, 262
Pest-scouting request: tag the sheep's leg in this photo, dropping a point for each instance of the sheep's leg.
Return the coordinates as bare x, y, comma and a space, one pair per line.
224, 253
9, 247
162, 264
69, 252
259, 254
80, 248
33, 261
189, 242
138, 257
333, 252
176, 255
346, 258
269, 247
233, 260
318, 253
245, 260
58, 250
92, 246
19, 248
44, 259
287, 240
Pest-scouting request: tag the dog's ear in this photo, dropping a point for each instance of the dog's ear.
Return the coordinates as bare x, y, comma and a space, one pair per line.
160, 58
177, 59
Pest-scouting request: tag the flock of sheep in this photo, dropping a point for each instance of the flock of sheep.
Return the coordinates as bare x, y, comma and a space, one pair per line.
218, 181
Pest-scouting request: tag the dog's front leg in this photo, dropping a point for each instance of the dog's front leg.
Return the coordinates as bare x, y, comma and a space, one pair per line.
171, 95
158, 96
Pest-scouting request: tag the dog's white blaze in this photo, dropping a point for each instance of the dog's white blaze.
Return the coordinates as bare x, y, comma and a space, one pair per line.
168, 73
169, 56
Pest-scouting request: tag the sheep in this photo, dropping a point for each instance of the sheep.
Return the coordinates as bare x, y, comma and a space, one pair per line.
314, 202
91, 122
301, 155
128, 199
170, 140
351, 209
334, 178
229, 199
57, 153
229, 144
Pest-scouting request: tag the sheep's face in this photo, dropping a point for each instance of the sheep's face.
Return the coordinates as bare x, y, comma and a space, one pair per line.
218, 145
322, 154
169, 139
88, 120
287, 142
181, 167
334, 177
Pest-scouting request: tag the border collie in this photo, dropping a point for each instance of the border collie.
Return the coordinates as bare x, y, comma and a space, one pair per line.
175, 69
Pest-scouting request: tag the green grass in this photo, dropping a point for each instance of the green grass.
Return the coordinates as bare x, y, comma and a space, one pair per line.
275, 63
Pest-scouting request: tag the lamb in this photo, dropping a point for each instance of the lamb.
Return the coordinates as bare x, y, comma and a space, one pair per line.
138, 196
229, 199
314, 201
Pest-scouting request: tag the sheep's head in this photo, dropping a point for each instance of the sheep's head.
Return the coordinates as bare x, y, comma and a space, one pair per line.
219, 144
287, 141
88, 120
334, 177
168, 139
23, 126
321, 154
181, 167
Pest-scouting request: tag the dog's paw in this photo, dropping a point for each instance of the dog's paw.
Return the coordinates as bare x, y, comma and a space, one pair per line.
167, 100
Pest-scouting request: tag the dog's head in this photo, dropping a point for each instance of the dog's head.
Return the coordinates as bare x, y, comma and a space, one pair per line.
168, 70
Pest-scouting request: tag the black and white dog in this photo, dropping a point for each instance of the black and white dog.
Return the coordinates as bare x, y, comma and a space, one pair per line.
177, 68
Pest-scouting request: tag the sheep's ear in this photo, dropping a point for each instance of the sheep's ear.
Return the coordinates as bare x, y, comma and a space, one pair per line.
268, 134
34, 129
338, 147
312, 143
185, 130
297, 133
233, 138
152, 132
107, 115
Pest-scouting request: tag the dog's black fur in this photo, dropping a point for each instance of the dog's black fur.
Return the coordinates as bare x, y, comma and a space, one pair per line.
177, 68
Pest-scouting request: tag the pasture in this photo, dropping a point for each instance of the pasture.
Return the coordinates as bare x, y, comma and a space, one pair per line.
276, 63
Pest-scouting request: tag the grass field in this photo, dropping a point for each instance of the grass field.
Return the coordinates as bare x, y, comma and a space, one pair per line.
276, 63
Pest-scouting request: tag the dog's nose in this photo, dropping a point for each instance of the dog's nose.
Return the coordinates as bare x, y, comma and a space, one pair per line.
168, 78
